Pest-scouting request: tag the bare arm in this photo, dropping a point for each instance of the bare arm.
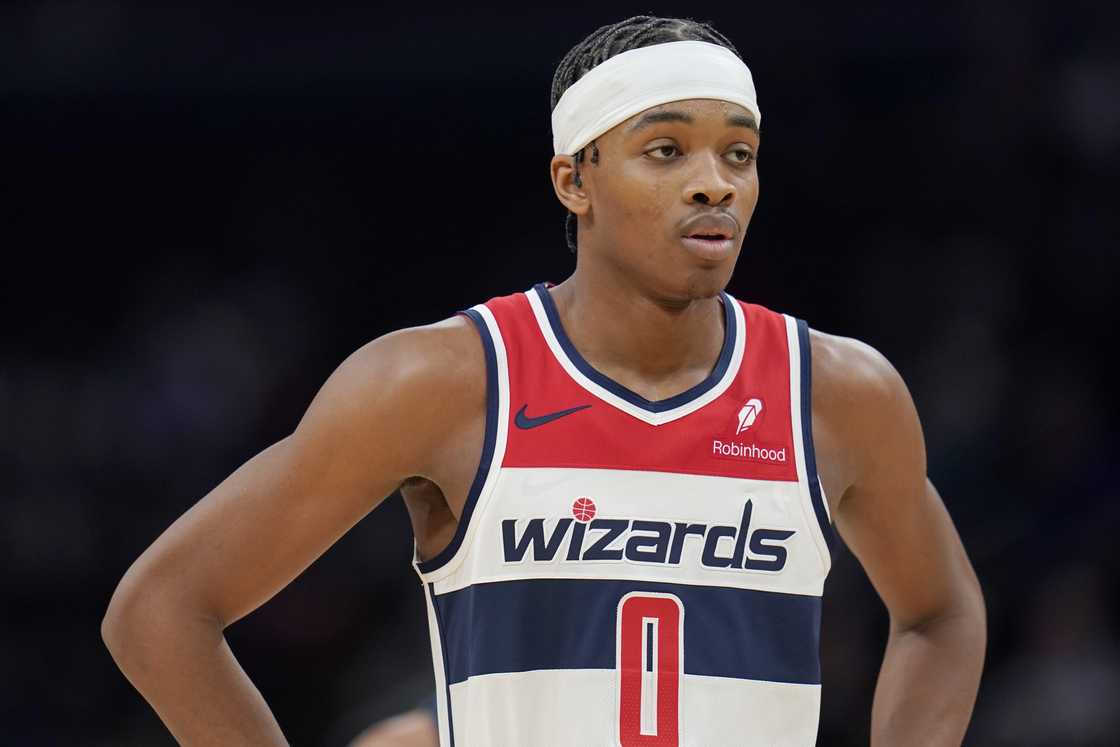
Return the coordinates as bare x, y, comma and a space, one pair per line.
895, 522
384, 415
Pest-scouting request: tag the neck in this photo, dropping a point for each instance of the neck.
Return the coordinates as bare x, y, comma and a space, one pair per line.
656, 347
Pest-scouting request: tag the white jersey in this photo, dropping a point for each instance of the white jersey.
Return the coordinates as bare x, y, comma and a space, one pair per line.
630, 572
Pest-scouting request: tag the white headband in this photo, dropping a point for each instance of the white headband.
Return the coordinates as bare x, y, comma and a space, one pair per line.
632, 81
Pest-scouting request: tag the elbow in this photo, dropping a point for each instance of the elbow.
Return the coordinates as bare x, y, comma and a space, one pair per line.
971, 610
150, 617
980, 619
969, 627
980, 610
964, 630
143, 618
123, 617
963, 619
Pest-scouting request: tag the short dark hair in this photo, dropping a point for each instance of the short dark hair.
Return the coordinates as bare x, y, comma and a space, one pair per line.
607, 41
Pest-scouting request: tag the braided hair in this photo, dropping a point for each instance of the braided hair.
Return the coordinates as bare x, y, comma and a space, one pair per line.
615, 38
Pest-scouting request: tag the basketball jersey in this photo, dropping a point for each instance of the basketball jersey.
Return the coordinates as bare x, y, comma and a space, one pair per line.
629, 572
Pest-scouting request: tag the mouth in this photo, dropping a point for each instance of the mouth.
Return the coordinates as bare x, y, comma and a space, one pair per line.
710, 227
712, 247
710, 236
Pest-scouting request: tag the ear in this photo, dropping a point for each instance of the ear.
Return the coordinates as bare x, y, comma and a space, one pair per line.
563, 181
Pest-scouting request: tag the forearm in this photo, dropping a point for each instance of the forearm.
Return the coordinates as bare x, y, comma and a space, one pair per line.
184, 668
928, 682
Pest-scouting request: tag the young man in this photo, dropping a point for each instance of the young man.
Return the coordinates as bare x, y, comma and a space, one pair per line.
622, 487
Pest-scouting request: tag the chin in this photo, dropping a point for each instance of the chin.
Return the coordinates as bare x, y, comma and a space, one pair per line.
696, 285
708, 282
679, 280
706, 286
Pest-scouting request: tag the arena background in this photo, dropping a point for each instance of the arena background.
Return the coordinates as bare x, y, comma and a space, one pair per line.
205, 211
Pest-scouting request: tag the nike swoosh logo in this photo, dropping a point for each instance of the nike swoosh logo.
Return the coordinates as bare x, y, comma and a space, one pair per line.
525, 422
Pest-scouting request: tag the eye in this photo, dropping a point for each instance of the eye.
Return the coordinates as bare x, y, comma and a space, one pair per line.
743, 156
666, 152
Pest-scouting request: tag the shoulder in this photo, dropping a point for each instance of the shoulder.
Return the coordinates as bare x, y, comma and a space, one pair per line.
863, 413
405, 390
845, 369
444, 354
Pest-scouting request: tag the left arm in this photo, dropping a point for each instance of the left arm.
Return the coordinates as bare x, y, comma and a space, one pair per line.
894, 521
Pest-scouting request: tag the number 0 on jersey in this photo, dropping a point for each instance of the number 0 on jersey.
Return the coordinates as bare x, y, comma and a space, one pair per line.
650, 656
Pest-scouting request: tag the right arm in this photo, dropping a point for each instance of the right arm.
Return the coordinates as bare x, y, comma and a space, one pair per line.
386, 414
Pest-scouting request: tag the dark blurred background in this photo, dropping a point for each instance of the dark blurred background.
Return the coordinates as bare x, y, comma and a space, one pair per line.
205, 211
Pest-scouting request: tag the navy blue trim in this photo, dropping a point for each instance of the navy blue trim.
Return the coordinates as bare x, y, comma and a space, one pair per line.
612, 386
807, 435
427, 566
441, 627
649, 647
530, 624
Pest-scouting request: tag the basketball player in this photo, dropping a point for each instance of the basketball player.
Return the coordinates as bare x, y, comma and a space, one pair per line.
623, 487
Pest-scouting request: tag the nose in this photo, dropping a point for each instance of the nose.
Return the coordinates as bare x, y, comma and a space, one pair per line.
707, 184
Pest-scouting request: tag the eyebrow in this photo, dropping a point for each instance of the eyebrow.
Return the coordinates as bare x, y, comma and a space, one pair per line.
742, 120
671, 115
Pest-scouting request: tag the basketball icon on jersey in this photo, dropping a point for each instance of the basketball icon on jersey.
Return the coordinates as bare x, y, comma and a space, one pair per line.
750, 412
583, 508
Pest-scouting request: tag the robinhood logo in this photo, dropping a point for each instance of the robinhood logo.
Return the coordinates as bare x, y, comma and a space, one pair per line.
748, 414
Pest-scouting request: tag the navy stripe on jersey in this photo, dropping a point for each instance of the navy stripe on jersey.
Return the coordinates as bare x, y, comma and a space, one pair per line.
619, 390
427, 566
807, 435
529, 624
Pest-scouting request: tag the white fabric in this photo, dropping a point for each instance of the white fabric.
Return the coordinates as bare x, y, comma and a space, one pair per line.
638, 79
527, 492
569, 705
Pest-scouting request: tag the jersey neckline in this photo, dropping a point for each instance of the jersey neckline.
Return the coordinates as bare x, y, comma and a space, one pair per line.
654, 412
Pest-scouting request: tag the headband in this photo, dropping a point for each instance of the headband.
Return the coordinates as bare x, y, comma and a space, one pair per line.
632, 81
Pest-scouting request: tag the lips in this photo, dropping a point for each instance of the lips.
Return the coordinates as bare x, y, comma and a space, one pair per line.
711, 227
710, 237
